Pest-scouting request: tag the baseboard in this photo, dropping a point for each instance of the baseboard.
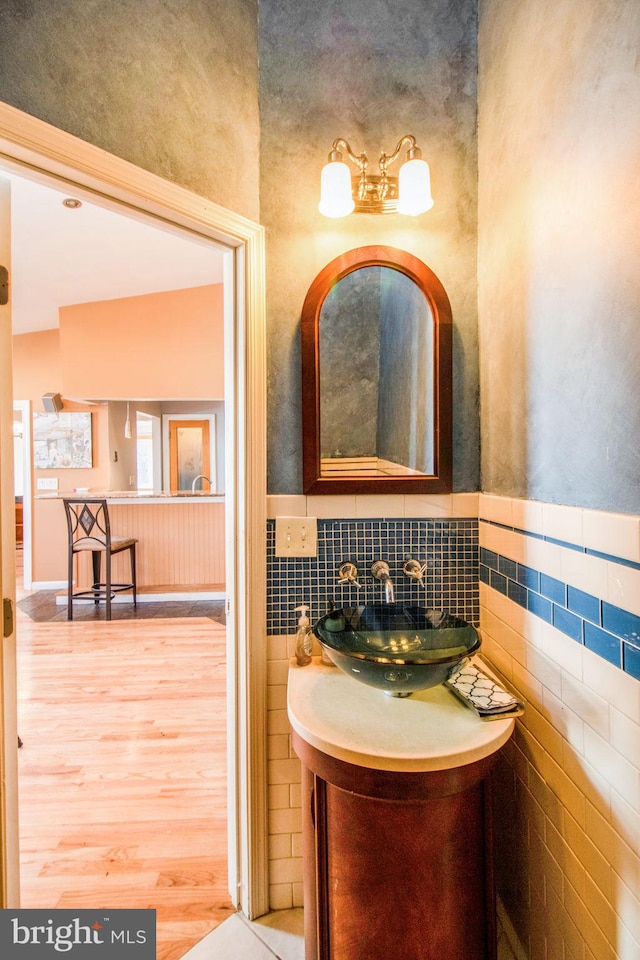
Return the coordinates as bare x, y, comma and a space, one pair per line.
61, 599
519, 952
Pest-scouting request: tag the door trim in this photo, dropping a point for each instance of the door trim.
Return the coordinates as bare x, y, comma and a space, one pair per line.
28, 144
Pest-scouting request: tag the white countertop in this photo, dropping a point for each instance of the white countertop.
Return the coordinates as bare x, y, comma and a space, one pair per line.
431, 730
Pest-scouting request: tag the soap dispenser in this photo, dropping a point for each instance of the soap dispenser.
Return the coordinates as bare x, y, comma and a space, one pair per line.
304, 638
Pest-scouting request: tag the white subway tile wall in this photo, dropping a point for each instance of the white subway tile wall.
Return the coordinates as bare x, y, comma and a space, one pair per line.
283, 772
567, 786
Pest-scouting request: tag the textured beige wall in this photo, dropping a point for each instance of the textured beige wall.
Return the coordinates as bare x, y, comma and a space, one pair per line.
170, 85
368, 73
559, 247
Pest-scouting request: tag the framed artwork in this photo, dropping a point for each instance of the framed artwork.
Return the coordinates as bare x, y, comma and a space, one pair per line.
62, 440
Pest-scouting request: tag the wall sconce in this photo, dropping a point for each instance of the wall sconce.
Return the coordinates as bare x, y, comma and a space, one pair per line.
409, 193
128, 433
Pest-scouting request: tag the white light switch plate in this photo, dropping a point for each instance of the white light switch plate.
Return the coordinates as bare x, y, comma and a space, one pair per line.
296, 536
47, 483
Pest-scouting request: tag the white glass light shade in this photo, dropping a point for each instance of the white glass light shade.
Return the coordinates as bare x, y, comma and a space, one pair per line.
336, 199
414, 188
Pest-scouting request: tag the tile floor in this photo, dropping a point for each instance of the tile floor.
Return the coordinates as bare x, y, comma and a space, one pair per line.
278, 936
43, 607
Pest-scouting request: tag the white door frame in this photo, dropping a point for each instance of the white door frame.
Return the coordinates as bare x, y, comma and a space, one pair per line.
28, 145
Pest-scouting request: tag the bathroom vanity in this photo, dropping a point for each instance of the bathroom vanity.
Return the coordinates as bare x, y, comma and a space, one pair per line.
396, 831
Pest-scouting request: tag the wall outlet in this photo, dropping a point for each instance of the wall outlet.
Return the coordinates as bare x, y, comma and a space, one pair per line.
47, 483
296, 537
132, 480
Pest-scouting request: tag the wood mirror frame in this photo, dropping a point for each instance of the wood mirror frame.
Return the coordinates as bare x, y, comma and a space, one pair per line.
441, 479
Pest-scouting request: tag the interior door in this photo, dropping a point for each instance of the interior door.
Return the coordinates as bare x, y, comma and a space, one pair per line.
189, 454
9, 876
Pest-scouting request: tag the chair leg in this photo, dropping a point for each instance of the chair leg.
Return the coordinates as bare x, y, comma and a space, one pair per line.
132, 551
95, 560
70, 586
107, 561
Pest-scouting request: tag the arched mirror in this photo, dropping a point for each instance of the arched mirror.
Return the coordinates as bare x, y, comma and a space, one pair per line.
376, 376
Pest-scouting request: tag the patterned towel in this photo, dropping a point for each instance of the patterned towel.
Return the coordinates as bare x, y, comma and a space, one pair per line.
483, 694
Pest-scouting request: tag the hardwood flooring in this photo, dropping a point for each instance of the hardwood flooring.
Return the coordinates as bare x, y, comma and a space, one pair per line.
122, 772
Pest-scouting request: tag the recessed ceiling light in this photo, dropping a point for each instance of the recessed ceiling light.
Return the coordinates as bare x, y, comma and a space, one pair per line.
72, 203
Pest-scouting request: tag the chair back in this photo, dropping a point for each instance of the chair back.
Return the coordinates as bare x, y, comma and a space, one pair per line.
88, 523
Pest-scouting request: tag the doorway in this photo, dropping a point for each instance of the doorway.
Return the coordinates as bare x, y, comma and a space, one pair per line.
33, 147
190, 452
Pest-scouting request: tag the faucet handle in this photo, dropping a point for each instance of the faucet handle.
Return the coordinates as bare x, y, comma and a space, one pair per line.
414, 569
348, 573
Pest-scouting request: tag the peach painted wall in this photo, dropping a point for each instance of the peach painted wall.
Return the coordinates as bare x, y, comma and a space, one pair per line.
37, 367
37, 370
157, 346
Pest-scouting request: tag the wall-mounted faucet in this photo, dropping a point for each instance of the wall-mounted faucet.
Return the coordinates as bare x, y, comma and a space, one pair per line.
348, 573
200, 476
380, 570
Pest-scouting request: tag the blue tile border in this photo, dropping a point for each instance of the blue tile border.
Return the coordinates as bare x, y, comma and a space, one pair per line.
603, 643
449, 547
541, 606
553, 589
528, 577
585, 605
568, 623
608, 631
622, 623
631, 658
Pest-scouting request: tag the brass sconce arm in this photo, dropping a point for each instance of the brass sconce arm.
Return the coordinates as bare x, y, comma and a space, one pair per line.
414, 152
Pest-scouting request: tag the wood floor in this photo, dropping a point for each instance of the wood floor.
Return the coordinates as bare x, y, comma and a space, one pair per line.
122, 772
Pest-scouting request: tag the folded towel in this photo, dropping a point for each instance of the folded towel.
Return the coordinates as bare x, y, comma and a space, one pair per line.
483, 694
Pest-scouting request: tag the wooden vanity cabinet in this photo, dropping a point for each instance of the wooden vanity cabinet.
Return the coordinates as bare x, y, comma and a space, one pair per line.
396, 864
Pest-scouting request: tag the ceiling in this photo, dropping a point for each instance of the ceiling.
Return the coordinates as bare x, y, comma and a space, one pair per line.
62, 256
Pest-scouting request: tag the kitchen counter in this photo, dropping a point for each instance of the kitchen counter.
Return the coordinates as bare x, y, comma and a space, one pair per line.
139, 496
181, 540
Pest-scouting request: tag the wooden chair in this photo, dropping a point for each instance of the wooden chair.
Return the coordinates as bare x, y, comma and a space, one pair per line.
90, 531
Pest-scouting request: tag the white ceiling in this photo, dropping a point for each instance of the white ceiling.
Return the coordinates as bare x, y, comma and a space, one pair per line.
61, 256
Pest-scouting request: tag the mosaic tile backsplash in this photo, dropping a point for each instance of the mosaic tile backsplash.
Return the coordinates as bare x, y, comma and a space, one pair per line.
448, 547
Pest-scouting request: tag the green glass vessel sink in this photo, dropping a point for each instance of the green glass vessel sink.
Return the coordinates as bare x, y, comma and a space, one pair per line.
395, 647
